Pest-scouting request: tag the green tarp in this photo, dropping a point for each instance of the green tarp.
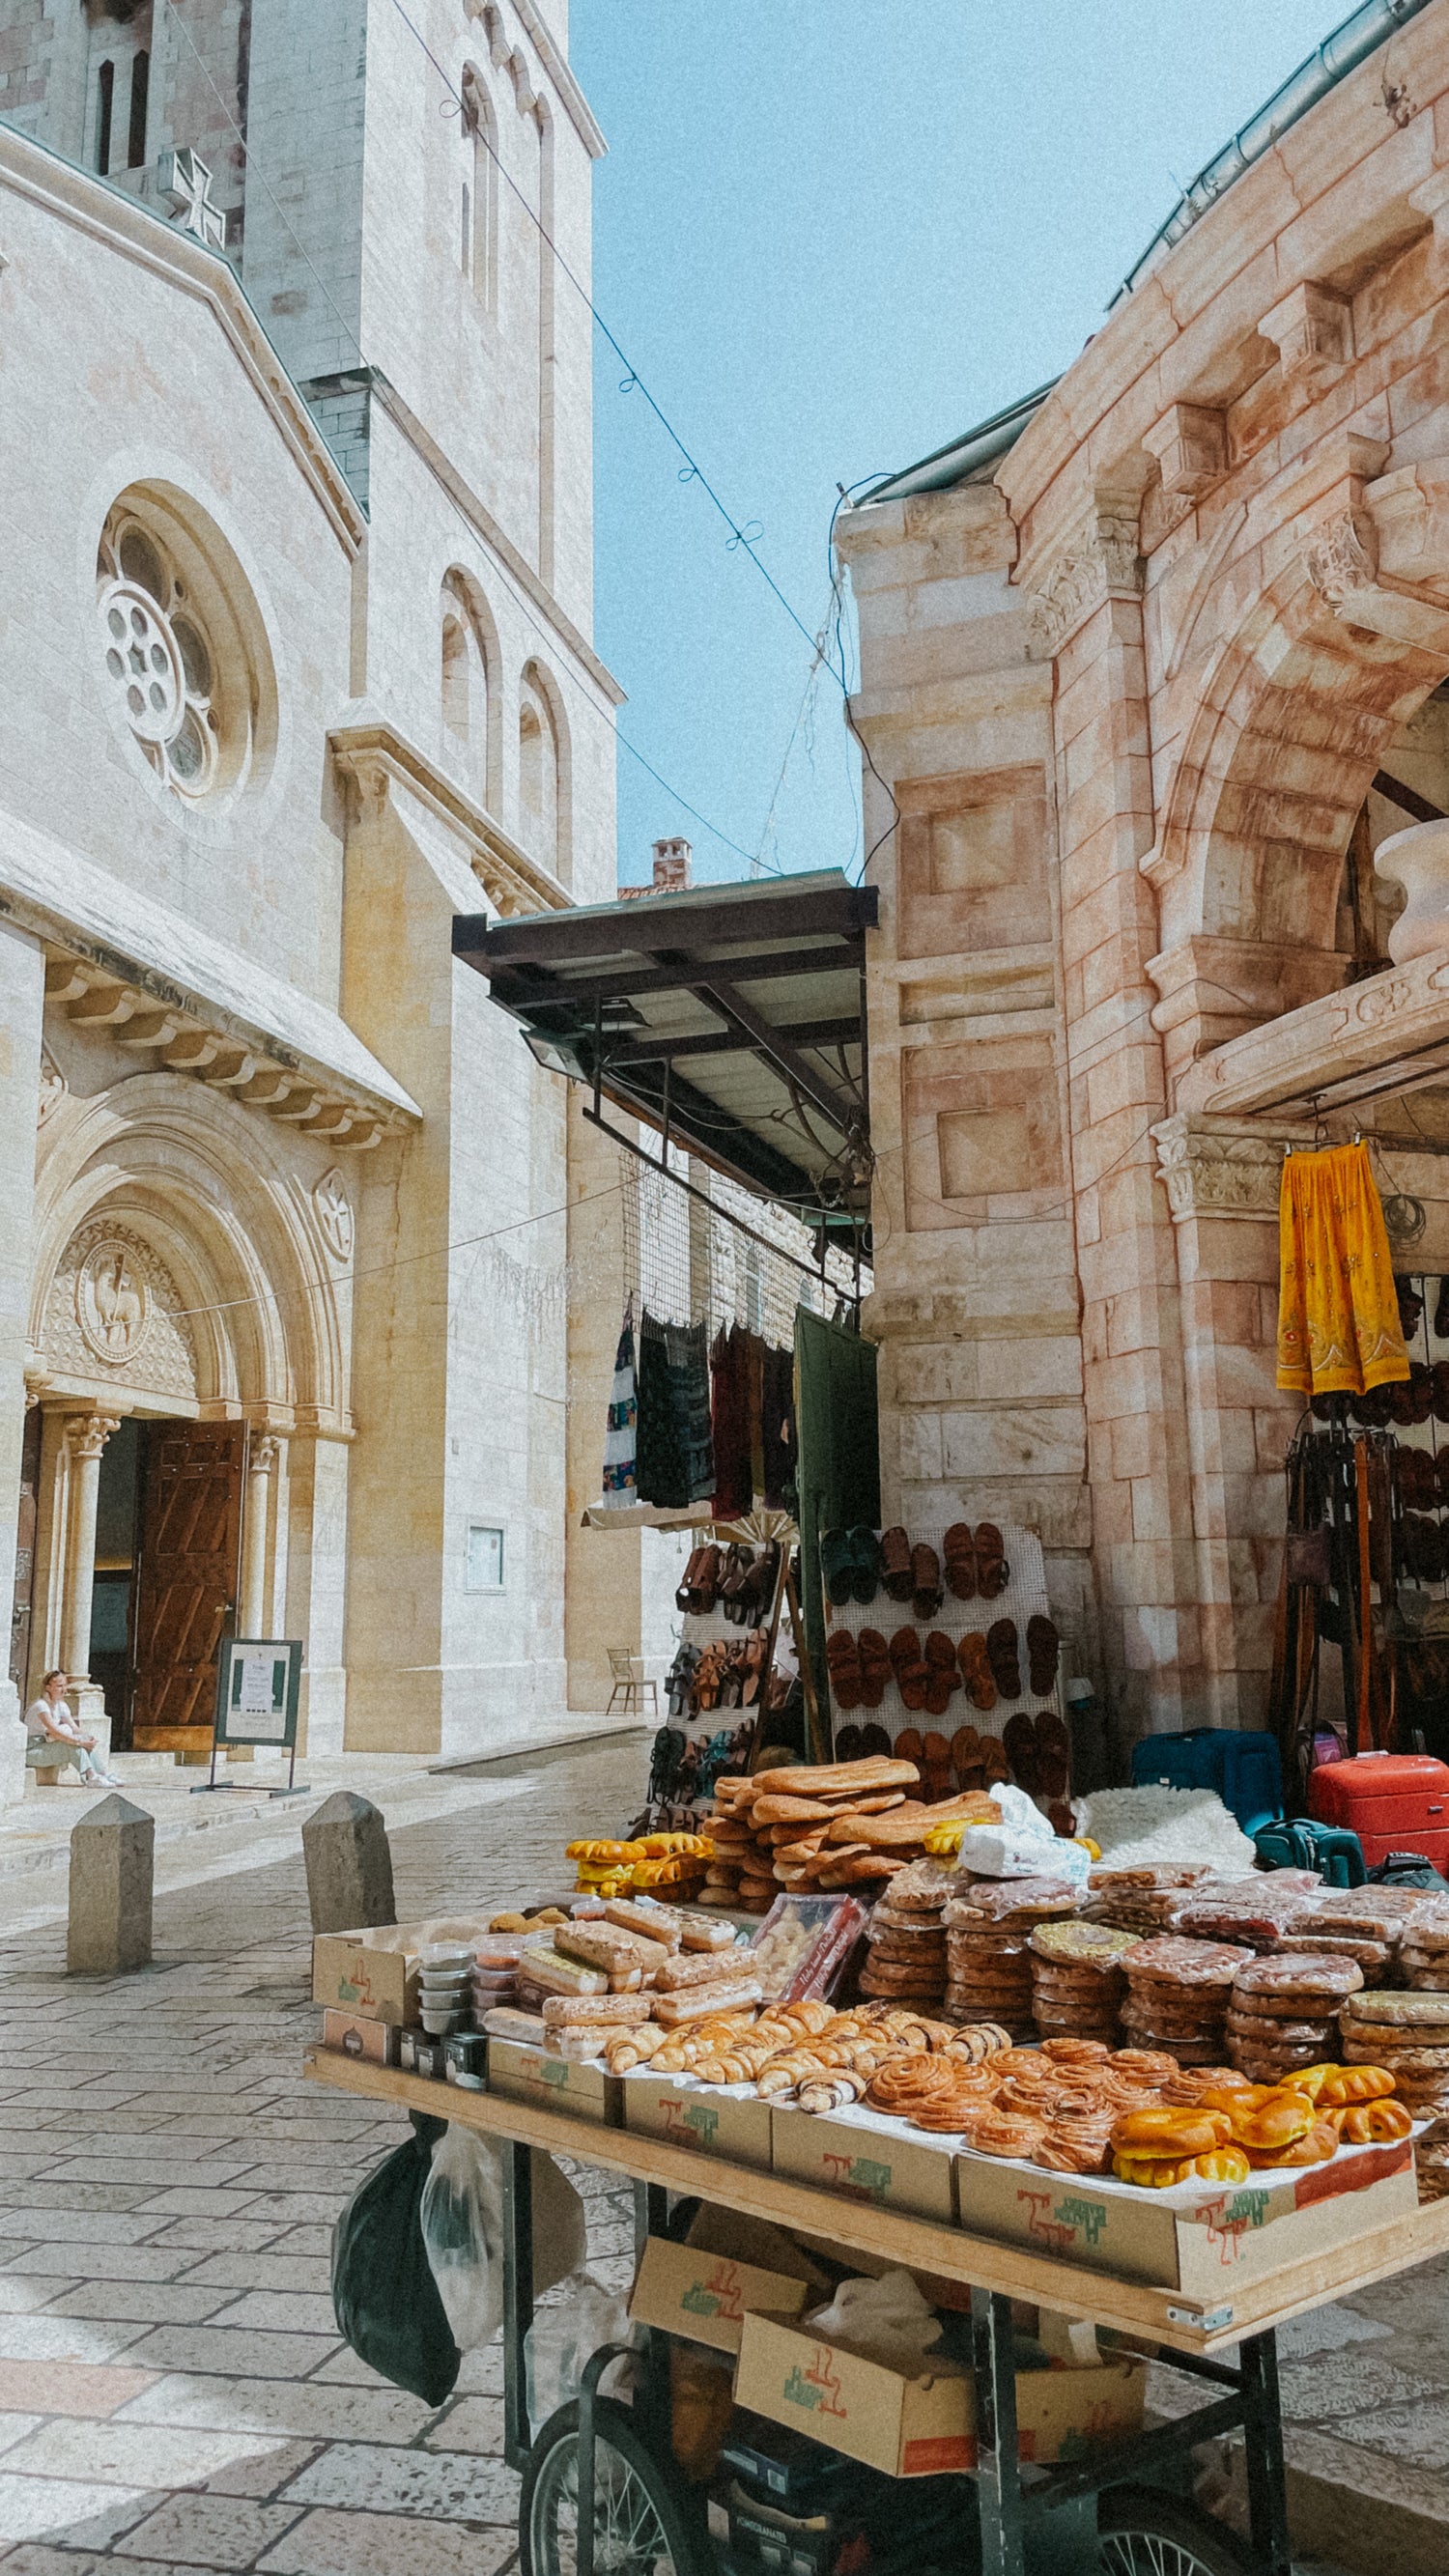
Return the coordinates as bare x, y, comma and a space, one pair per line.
838, 1449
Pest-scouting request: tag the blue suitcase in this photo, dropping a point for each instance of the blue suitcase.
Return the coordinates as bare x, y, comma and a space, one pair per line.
1244, 1769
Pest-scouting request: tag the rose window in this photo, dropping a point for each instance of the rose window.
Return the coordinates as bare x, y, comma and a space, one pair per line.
157, 661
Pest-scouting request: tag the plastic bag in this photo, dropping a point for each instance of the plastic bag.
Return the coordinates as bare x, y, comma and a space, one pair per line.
562, 2338
462, 2223
386, 2299
888, 2320
462, 2226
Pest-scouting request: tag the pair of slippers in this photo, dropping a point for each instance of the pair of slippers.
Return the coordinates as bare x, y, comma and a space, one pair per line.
859, 1667
974, 1561
911, 1573
926, 1676
862, 1744
1039, 1751
1423, 1479
850, 1566
979, 1761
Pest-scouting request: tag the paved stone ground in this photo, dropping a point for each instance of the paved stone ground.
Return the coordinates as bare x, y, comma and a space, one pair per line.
173, 2393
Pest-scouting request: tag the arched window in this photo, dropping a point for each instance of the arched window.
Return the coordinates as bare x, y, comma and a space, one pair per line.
468, 745
105, 115
538, 776
479, 244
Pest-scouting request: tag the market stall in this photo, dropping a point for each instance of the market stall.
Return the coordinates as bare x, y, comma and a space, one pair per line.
896, 2148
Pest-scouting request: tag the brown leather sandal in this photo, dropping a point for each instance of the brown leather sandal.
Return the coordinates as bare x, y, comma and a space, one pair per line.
875, 1667
909, 1667
895, 1557
958, 1550
1053, 1754
842, 1660
992, 1571
994, 1764
966, 1757
1043, 1652
926, 1593
1003, 1646
1019, 1737
942, 1678
976, 1670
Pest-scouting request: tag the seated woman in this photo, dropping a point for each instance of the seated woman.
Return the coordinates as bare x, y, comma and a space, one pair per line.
53, 1737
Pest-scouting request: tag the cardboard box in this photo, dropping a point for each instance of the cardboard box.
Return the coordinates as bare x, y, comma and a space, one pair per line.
907, 2428
707, 2296
376, 2040
916, 2428
374, 1973
726, 2120
587, 2090
1200, 2238
860, 2155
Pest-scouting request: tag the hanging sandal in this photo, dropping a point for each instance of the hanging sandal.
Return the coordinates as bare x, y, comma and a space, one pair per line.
1019, 1737
755, 1651
843, 1664
895, 1557
689, 1585
909, 1667
992, 1571
994, 1764
865, 1565
848, 1744
1043, 1653
936, 1767
875, 1667
1004, 1651
910, 1745
875, 1744
942, 1678
732, 1585
760, 1580
705, 1591
926, 1594
966, 1757
1053, 1754
976, 1670
708, 1676
958, 1550
837, 1568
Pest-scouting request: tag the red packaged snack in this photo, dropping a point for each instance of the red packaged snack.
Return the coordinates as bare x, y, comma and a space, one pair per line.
1302, 1972
1249, 1911
803, 1946
1026, 1898
1168, 1958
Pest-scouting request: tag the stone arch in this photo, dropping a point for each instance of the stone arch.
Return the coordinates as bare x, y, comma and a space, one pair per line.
482, 205
211, 1196
1296, 711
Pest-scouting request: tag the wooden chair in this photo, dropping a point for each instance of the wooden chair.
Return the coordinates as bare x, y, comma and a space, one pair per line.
627, 1673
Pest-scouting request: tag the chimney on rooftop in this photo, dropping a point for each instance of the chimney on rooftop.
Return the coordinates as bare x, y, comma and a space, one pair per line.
672, 867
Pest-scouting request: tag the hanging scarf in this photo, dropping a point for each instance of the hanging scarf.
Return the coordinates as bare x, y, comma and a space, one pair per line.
619, 1438
1338, 1311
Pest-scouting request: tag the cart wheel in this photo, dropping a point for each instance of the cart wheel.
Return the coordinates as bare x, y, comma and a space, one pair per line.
1146, 2532
641, 2527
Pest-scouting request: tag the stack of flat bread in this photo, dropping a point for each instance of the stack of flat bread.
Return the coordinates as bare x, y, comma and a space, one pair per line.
818, 1828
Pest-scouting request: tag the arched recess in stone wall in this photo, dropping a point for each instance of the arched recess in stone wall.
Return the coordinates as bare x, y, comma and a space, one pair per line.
208, 1188
1295, 713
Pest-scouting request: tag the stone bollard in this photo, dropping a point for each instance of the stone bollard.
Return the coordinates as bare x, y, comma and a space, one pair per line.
349, 1865
111, 1862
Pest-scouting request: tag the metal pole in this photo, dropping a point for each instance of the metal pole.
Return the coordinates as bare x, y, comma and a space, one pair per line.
517, 2299
998, 2477
1263, 2443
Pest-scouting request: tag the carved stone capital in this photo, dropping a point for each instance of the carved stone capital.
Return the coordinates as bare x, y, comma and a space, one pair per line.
87, 1433
1101, 559
263, 1456
1211, 1169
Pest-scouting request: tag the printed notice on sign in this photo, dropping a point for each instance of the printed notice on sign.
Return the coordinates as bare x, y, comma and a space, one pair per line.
259, 1693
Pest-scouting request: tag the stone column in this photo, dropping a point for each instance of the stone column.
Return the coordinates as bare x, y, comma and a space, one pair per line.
22, 996
1089, 617
87, 1434
263, 1454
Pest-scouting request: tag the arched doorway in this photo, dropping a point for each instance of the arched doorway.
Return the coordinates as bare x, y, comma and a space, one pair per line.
185, 1328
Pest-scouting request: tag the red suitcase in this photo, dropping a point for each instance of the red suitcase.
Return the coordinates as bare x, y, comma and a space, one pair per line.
1392, 1801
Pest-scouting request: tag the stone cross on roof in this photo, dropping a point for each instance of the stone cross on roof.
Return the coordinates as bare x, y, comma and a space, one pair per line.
186, 180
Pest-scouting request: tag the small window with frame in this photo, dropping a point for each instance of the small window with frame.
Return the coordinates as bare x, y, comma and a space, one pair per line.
485, 1557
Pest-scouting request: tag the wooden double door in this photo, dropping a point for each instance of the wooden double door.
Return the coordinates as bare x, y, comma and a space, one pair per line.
185, 1589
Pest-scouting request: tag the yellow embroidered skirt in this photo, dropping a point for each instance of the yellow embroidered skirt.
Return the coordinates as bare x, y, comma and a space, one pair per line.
1338, 1314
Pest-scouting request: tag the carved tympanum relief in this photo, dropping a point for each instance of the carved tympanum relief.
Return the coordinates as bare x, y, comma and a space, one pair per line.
114, 1311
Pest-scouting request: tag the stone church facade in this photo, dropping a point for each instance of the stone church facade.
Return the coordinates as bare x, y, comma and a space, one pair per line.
1151, 667
295, 463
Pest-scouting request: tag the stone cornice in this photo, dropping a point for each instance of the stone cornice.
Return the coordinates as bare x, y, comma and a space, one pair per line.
1100, 559
1211, 1168
376, 757
136, 233
471, 508
1350, 1047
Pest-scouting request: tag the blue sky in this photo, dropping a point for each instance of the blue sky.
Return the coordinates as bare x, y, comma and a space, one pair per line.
830, 235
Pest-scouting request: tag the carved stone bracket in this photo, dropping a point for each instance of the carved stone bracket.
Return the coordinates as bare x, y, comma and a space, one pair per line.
1190, 444
1100, 560
1342, 556
1312, 330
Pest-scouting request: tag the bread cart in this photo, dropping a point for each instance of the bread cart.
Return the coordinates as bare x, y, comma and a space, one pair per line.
639, 2520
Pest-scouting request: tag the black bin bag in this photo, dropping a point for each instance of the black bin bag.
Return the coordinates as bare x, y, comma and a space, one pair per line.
383, 2288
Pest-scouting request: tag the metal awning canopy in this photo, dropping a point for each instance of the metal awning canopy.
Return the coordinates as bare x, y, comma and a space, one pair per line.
730, 1017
